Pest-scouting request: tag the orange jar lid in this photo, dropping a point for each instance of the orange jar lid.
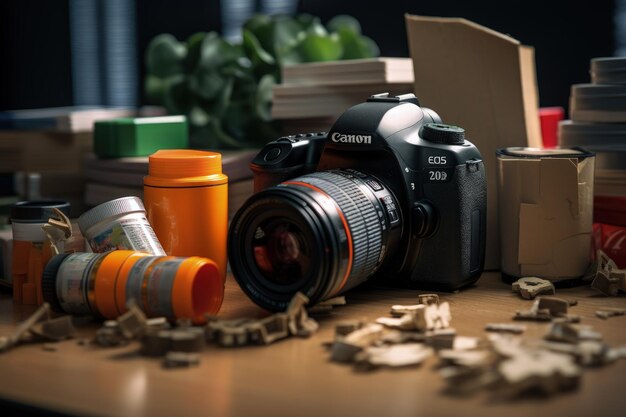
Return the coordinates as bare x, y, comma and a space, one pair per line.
185, 168
198, 289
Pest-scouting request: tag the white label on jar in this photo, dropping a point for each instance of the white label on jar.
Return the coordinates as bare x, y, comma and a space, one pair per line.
72, 283
132, 233
150, 282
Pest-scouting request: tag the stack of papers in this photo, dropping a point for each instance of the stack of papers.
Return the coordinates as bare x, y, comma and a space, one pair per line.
327, 89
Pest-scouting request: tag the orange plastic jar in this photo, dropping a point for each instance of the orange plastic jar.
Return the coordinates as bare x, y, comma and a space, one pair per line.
102, 284
31, 248
186, 199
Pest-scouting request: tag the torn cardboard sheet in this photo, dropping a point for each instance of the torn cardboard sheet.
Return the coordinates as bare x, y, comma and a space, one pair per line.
495, 96
546, 201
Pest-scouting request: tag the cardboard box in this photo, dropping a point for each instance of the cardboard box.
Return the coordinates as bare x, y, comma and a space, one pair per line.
546, 212
483, 81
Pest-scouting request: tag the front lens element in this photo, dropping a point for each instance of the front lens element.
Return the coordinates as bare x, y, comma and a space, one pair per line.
281, 251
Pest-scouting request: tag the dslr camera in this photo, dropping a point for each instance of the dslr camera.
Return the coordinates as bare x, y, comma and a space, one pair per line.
389, 192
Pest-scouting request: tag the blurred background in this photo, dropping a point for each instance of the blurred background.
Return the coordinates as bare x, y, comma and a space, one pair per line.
68, 52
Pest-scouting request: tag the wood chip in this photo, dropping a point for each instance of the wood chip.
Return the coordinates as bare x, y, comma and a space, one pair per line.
468, 358
345, 348
7, 342
181, 360
556, 306
156, 343
56, 329
617, 353
605, 284
608, 278
109, 337
409, 354
533, 315
464, 343
238, 332
547, 309
541, 370
530, 287
428, 299
159, 323
401, 310
132, 324
586, 352
344, 327
186, 339
505, 328
49, 347
608, 312
422, 318
562, 332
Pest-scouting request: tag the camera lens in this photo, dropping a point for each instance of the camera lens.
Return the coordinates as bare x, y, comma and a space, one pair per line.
281, 251
320, 234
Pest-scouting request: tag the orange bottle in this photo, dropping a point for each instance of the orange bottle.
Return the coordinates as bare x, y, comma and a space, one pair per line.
186, 200
31, 249
101, 284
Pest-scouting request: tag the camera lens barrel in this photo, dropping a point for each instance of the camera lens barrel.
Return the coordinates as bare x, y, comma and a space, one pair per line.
321, 234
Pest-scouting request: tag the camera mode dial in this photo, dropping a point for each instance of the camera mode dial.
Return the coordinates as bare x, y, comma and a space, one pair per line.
442, 133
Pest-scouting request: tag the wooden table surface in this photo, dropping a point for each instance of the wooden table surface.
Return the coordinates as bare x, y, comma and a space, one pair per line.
294, 377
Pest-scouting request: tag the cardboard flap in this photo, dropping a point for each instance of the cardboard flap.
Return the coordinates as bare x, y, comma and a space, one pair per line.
559, 187
483, 81
554, 229
533, 248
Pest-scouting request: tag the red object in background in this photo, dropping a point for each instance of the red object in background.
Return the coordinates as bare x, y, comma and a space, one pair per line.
610, 210
549, 118
609, 228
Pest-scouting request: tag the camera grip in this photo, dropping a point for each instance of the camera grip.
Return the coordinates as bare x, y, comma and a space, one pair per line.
461, 210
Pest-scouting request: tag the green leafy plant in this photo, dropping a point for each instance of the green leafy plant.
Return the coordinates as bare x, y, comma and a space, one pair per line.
225, 89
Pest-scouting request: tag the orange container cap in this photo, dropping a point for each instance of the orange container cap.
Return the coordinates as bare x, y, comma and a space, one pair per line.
198, 289
185, 168
106, 281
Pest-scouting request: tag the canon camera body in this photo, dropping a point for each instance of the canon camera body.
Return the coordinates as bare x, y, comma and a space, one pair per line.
389, 191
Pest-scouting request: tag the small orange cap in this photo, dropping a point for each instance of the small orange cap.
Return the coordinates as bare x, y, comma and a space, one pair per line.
184, 168
198, 289
106, 281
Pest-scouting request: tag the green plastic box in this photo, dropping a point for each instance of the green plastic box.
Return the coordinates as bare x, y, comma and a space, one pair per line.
139, 136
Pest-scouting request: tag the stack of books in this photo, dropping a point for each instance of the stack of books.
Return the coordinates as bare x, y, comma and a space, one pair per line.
315, 94
108, 179
61, 119
598, 123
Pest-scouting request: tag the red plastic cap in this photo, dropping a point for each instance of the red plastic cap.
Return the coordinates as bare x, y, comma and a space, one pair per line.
549, 118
